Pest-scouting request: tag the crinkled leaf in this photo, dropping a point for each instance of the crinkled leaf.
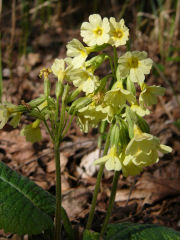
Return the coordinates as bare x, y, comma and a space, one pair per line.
24, 206
131, 231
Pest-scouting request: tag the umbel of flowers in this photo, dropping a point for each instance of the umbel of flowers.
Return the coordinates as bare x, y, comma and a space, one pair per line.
117, 104
109, 102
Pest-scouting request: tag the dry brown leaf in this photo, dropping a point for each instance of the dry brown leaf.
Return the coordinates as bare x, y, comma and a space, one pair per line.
75, 201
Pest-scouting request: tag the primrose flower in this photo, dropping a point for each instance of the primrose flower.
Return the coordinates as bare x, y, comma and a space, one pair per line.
149, 95
76, 50
141, 151
58, 69
135, 65
91, 115
118, 96
96, 31
140, 110
111, 160
84, 79
119, 33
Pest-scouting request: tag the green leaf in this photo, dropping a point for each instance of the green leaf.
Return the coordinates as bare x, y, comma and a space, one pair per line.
90, 235
24, 206
131, 231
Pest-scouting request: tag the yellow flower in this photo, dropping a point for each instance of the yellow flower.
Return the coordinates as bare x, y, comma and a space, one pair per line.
93, 114
149, 95
140, 110
95, 32
135, 65
58, 69
118, 96
79, 53
83, 79
111, 160
119, 33
141, 151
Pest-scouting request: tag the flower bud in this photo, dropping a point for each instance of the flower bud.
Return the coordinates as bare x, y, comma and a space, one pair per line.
47, 87
79, 103
142, 124
36, 102
130, 86
59, 89
97, 48
96, 61
73, 95
123, 133
115, 132
65, 92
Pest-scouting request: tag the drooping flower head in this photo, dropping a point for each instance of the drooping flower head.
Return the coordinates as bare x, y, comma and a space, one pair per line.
140, 110
149, 95
142, 151
85, 80
118, 96
95, 32
135, 65
111, 160
119, 33
76, 50
97, 111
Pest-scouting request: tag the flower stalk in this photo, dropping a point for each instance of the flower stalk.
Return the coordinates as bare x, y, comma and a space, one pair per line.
97, 187
58, 191
111, 203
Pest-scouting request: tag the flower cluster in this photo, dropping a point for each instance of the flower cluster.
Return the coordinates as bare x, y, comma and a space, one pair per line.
111, 98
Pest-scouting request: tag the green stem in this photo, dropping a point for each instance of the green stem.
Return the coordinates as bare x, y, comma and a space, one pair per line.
112, 67
62, 118
111, 203
58, 192
98, 181
69, 125
49, 131
115, 59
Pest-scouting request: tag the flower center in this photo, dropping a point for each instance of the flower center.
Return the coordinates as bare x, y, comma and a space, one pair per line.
83, 53
133, 62
118, 34
98, 31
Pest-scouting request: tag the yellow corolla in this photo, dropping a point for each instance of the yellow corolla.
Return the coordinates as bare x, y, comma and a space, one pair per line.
84, 79
141, 151
119, 33
149, 95
135, 65
118, 96
96, 31
58, 69
111, 160
79, 53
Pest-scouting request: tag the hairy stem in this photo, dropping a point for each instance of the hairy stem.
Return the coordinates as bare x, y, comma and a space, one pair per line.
58, 192
98, 181
111, 203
